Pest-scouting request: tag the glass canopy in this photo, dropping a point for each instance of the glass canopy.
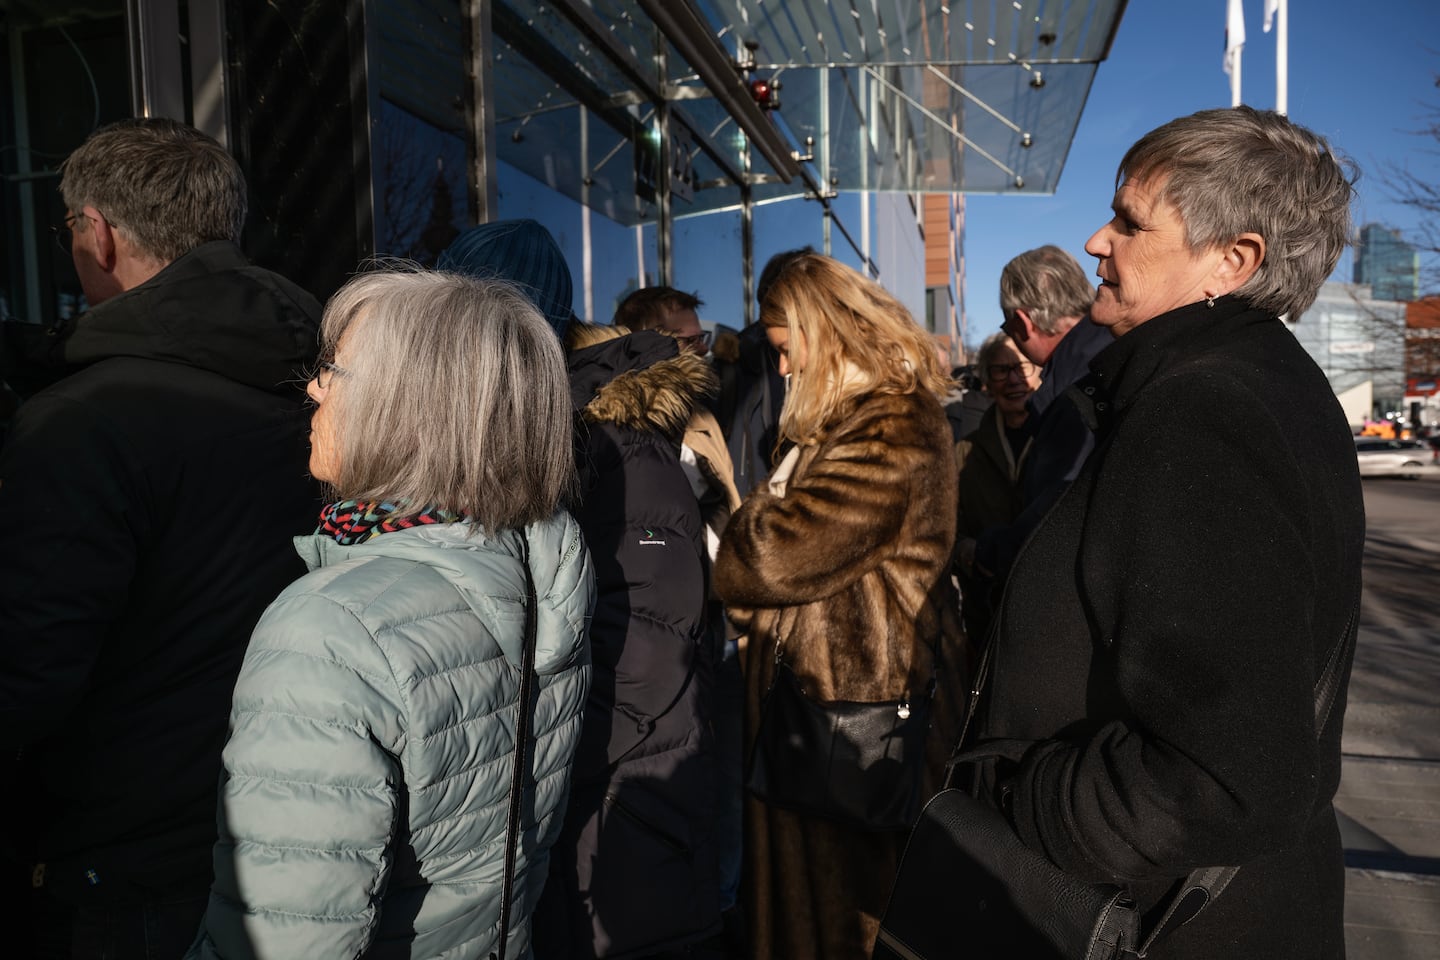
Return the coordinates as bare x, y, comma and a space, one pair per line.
972, 96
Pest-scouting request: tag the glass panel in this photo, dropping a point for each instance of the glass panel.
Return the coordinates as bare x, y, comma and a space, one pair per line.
421, 59
418, 160
614, 265
899, 31
300, 160
421, 202
541, 129
786, 225
71, 77
845, 233
626, 24
523, 196
708, 261
650, 252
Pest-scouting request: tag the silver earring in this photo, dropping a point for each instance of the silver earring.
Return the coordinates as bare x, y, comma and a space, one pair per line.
1209, 300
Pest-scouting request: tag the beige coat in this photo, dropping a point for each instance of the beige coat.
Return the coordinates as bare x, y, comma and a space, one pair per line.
850, 568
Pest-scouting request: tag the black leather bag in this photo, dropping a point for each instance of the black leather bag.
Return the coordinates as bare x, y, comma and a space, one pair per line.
859, 763
1015, 903
969, 889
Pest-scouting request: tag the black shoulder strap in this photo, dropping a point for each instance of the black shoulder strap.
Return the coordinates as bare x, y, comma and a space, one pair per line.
522, 737
1204, 885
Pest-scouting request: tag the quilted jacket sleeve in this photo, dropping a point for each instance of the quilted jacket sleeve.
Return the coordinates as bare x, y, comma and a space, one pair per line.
308, 801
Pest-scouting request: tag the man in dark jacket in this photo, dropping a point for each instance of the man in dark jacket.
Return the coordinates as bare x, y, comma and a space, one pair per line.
1046, 299
150, 497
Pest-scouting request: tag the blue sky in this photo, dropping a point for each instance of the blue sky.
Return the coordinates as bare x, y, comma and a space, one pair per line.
1361, 75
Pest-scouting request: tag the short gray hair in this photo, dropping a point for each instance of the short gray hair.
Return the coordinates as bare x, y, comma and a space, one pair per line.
989, 349
168, 186
1048, 284
1242, 170
453, 395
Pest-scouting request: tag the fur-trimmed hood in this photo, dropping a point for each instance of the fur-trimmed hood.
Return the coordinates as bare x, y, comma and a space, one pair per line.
641, 381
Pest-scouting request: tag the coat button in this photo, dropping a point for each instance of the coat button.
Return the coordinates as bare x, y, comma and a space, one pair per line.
1089, 391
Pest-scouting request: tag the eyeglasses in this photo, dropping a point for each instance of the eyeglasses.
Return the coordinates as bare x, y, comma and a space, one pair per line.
65, 235
326, 371
999, 372
699, 342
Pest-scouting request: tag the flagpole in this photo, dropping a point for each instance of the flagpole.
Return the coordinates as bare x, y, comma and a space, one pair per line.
1235, 80
1234, 46
1282, 58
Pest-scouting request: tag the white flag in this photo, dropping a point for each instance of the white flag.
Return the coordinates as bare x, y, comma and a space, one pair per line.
1271, 7
1234, 35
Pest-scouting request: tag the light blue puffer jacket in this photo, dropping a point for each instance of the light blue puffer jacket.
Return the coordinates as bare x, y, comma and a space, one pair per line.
364, 797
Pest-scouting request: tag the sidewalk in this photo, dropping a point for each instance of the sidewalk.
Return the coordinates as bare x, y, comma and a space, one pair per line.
1389, 799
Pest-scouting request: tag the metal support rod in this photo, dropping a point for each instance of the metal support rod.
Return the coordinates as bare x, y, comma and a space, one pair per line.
665, 222
480, 112
590, 26
747, 235
972, 98
207, 69
926, 111
685, 27
29, 245
153, 28
364, 105
587, 261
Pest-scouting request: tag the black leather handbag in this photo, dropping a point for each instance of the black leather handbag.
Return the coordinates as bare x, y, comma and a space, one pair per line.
969, 888
858, 763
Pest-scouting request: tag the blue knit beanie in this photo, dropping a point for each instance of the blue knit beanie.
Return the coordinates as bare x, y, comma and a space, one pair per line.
524, 253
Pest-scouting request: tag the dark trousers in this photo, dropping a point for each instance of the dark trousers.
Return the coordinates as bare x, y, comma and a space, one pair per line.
160, 924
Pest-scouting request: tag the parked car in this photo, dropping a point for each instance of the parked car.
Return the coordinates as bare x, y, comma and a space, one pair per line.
1404, 458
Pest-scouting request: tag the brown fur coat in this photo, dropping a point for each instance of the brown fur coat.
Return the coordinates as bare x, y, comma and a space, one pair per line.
850, 569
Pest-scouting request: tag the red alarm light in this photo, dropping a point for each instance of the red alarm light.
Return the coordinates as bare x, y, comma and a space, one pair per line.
766, 93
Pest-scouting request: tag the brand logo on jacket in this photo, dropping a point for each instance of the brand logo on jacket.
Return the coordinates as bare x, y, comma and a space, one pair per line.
650, 540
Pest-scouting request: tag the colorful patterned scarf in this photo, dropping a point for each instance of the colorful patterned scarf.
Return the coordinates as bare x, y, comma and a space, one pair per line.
354, 521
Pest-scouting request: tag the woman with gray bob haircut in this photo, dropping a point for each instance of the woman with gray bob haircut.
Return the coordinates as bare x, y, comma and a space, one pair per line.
367, 779
1155, 683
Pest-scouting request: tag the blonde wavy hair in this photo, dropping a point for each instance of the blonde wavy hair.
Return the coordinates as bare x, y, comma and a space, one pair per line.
858, 339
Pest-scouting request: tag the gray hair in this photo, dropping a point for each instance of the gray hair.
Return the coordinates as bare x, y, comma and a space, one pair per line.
990, 349
1242, 170
453, 394
168, 186
1048, 284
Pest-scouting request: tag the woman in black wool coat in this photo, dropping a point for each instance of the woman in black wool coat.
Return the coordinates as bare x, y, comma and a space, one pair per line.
1164, 629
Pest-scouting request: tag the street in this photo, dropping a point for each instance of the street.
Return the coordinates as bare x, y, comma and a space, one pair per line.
1389, 798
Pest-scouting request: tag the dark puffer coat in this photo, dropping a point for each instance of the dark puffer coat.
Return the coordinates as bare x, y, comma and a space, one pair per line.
150, 500
634, 872
1161, 637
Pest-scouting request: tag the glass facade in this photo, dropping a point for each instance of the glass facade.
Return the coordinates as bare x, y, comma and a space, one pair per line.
60, 78
1389, 265
1359, 341
384, 128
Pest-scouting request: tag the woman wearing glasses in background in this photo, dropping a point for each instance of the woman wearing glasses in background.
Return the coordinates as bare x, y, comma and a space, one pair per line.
990, 459
367, 780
